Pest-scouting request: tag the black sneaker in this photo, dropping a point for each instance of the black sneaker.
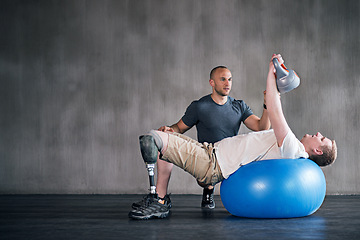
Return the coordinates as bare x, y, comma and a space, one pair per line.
143, 202
208, 201
151, 209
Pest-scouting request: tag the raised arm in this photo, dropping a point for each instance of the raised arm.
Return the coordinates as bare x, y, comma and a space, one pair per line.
255, 123
273, 103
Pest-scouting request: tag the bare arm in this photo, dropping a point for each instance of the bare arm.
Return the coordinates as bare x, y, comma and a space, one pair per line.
273, 103
179, 127
255, 123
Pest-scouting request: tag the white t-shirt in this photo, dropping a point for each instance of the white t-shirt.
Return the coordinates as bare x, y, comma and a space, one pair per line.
239, 150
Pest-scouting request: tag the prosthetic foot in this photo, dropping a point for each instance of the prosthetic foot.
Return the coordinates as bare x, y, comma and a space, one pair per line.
149, 152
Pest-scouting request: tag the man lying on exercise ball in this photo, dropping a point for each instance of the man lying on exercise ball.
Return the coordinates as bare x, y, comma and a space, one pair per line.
212, 163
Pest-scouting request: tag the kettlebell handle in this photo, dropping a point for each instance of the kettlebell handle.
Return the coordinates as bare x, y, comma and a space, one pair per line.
276, 62
278, 66
281, 70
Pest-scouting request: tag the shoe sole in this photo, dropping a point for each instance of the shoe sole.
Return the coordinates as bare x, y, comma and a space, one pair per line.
208, 206
136, 207
156, 215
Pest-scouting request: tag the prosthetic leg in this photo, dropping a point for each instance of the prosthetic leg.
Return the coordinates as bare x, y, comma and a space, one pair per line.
152, 206
149, 151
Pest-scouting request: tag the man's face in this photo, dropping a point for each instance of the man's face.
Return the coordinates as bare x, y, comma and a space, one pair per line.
222, 81
316, 141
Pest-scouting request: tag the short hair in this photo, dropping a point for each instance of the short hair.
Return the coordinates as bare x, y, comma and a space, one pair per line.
328, 157
214, 69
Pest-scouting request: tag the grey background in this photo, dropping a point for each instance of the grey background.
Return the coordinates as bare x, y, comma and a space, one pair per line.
80, 80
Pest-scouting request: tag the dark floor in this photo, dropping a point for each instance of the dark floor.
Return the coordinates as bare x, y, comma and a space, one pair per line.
105, 217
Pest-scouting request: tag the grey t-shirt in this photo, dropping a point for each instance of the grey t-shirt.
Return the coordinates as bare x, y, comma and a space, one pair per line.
215, 122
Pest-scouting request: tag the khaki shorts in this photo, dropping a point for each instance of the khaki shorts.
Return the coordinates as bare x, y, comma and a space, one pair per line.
196, 158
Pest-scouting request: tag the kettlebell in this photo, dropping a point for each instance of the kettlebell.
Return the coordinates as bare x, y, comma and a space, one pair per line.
286, 79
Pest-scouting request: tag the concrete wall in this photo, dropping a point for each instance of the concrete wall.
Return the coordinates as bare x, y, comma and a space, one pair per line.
80, 80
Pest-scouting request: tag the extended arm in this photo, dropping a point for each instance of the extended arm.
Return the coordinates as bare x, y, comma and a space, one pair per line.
179, 127
273, 103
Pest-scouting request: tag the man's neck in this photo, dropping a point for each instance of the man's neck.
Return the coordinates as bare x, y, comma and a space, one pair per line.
221, 100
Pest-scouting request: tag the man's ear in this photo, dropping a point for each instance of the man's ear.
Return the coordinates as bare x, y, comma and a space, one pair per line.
318, 151
211, 82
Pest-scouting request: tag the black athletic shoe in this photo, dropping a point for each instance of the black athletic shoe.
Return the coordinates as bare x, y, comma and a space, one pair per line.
143, 202
151, 209
208, 201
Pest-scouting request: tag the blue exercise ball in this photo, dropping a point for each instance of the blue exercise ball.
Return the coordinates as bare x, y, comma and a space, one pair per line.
277, 188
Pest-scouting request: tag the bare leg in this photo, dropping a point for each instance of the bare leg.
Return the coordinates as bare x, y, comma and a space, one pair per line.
163, 177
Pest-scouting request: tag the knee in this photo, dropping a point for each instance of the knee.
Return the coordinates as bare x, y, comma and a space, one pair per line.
204, 185
149, 150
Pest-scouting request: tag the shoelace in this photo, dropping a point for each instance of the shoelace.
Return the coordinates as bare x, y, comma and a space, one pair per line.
147, 202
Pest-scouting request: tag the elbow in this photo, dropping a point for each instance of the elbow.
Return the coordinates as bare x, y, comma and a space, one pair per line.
265, 126
262, 126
